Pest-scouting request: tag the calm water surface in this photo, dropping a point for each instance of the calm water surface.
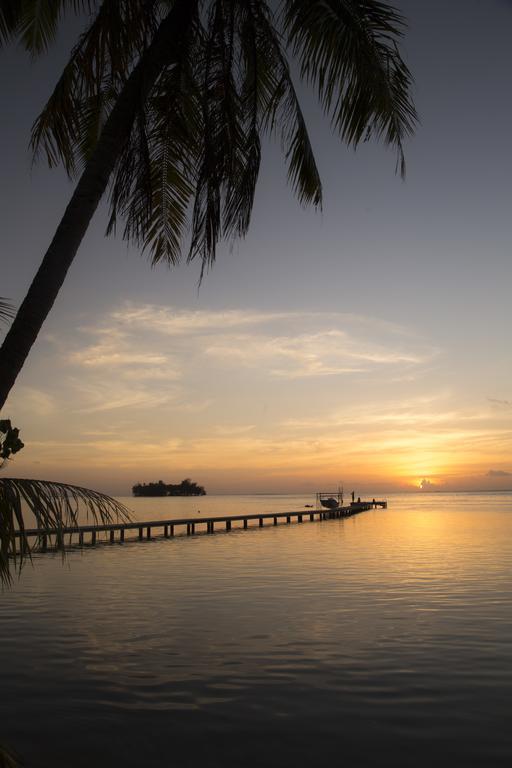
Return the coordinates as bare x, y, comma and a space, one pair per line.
383, 639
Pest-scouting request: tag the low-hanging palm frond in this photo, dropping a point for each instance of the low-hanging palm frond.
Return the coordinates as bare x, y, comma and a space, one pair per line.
54, 507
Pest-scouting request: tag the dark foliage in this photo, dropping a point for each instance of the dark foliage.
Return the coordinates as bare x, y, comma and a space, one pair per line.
185, 488
54, 506
9, 440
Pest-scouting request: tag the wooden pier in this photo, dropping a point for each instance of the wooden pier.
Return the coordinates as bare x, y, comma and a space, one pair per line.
50, 538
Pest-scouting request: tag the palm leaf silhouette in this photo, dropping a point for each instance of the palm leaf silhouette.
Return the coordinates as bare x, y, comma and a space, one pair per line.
53, 506
6, 310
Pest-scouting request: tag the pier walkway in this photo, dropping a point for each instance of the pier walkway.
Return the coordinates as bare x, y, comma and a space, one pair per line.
91, 534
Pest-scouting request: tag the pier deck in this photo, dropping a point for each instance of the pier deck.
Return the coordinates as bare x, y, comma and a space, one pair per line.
91, 534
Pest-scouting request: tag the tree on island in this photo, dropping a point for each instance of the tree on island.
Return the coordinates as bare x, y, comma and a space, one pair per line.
185, 488
166, 105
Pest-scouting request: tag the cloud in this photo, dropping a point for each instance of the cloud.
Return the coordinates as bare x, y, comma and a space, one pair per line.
117, 349
498, 473
233, 431
33, 401
157, 373
181, 370
279, 344
96, 356
501, 403
96, 397
430, 411
325, 353
176, 322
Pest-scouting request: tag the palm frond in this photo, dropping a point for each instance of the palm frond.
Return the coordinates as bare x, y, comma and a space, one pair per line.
247, 90
238, 82
10, 11
154, 177
349, 50
221, 132
39, 20
242, 184
162, 229
8, 759
35, 22
6, 310
54, 506
70, 123
283, 110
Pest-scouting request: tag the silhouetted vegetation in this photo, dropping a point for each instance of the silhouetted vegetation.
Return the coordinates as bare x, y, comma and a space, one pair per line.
6, 310
9, 440
54, 506
185, 488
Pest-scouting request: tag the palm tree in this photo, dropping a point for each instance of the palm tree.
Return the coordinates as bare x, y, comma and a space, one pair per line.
166, 105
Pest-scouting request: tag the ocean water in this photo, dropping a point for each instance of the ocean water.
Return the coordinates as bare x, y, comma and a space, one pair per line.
382, 639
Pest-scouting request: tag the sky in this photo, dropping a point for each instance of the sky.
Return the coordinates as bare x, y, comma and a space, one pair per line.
367, 344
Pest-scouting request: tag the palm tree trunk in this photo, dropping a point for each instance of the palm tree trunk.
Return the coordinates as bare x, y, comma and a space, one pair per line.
88, 193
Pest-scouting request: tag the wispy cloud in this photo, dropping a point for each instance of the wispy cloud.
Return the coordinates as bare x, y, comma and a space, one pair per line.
233, 431
106, 356
420, 411
282, 344
107, 391
175, 322
32, 400
501, 403
327, 352
129, 356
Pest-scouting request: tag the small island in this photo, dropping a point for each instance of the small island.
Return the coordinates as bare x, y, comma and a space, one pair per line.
185, 488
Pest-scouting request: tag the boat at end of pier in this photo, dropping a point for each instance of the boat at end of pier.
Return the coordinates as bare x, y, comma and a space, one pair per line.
329, 499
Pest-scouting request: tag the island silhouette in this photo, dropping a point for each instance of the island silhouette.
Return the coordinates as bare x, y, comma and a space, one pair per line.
186, 488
